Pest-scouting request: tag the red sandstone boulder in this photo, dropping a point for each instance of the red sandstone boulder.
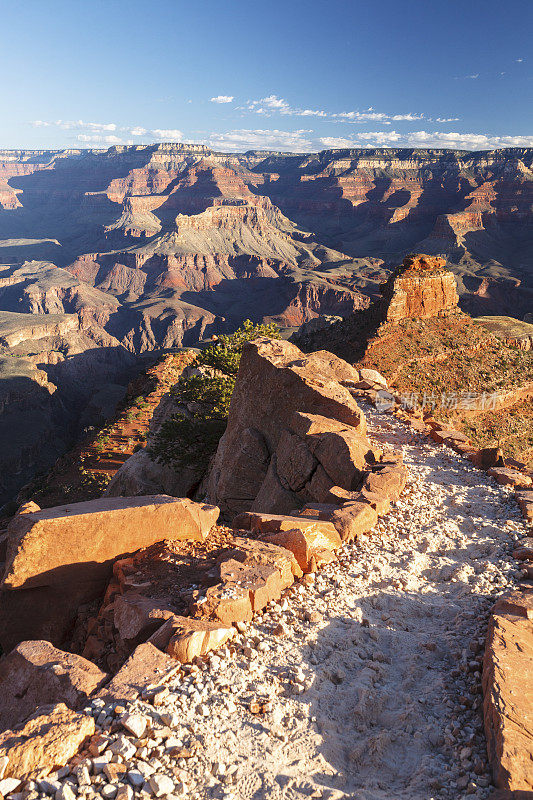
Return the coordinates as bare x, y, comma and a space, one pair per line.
46, 741
137, 617
487, 457
342, 454
295, 462
192, 638
312, 541
251, 575
61, 557
274, 495
36, 674
510, 477
387, 482
310, 547
44, 544
353, 519
275, 379
146, 666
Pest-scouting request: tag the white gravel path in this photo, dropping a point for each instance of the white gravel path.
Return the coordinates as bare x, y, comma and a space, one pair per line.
372, 672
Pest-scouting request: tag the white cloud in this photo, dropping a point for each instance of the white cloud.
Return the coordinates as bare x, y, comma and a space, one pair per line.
68, 125
362, 116
519, 60
110, 133
335, 142
439, 139
406, 117
259, 139
302, 140
99, 139
223, 98
272, 104
166, 133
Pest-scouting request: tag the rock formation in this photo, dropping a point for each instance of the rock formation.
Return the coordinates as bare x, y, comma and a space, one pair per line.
62, 557
508, 693
165, 245
419, 288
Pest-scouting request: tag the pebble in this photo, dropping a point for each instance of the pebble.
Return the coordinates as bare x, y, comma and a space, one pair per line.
161, 785
135, 724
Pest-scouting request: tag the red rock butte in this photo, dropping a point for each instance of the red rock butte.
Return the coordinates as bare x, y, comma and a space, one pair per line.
421, 287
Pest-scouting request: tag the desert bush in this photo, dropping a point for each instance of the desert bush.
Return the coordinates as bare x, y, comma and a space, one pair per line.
190, 438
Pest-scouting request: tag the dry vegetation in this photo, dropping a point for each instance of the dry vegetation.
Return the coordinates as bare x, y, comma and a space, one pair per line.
84, 472
438, 362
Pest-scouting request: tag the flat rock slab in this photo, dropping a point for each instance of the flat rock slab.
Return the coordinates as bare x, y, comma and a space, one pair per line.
510, 477
196, 637
62, 557
36, 674
354, 519
43, 545
251, 575
146, 666
47, 741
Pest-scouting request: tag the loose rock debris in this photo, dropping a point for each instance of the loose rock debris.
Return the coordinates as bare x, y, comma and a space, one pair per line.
363, 681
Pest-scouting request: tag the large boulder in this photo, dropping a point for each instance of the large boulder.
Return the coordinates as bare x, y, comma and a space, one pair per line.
36, 674
62, 557
46, 742
275, 380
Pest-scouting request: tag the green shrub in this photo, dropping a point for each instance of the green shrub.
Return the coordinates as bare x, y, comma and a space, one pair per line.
183, 442
190, 440
225, 355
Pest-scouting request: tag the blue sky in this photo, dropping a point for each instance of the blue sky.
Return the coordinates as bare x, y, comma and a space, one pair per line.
292, 75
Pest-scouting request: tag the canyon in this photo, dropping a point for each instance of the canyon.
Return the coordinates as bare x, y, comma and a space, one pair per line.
141, 248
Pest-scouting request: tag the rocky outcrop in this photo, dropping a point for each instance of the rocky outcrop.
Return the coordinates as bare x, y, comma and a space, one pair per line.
35, 673
61, 557
508, 694
276, 380
419, 288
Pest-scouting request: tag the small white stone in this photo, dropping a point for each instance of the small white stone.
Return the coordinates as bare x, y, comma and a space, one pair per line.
65, 793
135, 724
8, 785
47, 785
135, 777
4, 761
82, 775
161, 784
123, 747
172, 720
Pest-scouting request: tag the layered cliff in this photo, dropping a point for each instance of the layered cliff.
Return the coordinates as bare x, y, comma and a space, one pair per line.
368, 206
